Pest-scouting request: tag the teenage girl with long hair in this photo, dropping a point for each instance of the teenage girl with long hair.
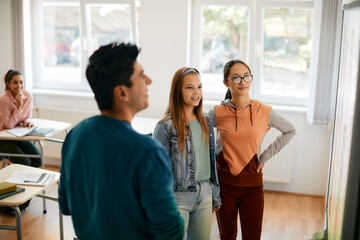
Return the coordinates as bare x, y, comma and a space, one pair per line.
189, 140
242, 123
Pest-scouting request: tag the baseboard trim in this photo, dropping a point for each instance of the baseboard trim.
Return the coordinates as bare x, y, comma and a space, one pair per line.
296, 194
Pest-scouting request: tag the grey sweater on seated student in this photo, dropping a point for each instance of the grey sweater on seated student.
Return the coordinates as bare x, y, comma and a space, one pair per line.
117, 183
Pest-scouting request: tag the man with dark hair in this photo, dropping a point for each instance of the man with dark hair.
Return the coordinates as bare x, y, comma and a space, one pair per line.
115, 182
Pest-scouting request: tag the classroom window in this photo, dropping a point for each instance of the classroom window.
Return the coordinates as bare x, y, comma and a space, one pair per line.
70, 31
224, 36
286, 52
273, 37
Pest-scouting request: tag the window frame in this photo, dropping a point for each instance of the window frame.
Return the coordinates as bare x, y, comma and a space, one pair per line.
84, 35
255, 43
196, 32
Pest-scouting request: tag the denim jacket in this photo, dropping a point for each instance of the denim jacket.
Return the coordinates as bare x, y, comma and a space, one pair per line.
184, 174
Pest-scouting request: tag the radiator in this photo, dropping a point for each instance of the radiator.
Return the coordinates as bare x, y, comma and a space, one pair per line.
279, 167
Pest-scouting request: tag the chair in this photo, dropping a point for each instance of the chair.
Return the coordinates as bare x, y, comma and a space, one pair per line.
5, 161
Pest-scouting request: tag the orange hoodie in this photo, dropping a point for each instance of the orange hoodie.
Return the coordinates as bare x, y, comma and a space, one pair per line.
241, 132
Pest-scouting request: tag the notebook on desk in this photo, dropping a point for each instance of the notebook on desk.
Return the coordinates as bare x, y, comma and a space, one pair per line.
33, 178
41, 131
18, 190
36, 131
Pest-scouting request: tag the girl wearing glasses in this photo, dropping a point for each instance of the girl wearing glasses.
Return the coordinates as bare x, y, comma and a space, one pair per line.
15, 110
242, 123
189, 140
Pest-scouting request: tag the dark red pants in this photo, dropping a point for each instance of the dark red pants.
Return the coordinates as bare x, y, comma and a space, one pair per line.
249, 203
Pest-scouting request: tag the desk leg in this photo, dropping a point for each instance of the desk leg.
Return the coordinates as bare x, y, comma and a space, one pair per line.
16, 228
60, 214
43, 167
41, 144
61, 225
4, 163
18, 222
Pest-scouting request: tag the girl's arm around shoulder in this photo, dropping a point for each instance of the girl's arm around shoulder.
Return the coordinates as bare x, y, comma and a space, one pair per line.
288, 132
211, 116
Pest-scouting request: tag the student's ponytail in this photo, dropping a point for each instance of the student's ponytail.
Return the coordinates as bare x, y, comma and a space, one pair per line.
228, 94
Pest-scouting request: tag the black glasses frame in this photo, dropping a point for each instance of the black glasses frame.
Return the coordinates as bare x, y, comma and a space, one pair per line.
233, 79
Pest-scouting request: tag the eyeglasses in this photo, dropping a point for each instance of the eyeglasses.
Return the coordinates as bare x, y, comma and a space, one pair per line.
238, 79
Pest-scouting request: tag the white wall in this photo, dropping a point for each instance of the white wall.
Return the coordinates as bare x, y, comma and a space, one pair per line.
7, 60
163, 39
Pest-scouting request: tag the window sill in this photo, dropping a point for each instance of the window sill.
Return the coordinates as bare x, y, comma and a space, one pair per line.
280, 108
62, 93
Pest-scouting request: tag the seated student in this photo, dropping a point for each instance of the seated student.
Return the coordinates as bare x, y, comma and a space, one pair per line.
116, 183
15, 110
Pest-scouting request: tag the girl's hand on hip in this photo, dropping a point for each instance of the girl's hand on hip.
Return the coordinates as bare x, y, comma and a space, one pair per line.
259, 167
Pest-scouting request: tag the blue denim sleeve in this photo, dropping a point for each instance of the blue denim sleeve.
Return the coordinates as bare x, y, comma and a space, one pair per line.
211, 116
157, 197
216, 200
161, 134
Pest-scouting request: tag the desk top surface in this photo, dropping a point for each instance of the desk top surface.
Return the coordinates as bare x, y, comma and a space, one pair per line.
30, 191
59, 126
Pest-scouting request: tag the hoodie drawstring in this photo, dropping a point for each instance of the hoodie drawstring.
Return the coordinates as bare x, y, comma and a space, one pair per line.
235, 120
235, 108
250, 114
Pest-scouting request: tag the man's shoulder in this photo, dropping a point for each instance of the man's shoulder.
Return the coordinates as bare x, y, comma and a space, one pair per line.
88, 122
91, 127
147, 142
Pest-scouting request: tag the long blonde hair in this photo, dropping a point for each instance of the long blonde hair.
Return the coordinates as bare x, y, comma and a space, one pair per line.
175, 110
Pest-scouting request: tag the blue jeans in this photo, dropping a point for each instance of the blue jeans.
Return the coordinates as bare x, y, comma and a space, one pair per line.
196, 210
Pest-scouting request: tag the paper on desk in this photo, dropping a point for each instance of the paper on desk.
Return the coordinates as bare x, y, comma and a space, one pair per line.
20, 131
31, 178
